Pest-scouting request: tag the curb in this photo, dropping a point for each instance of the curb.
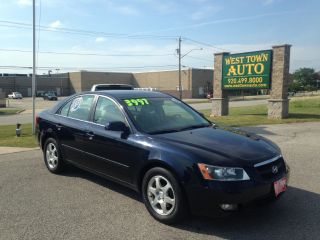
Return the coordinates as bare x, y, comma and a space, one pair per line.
9, 150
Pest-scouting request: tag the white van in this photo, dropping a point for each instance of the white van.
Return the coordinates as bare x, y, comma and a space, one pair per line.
102, 87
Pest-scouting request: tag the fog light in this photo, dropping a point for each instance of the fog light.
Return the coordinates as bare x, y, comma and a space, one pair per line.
228, 207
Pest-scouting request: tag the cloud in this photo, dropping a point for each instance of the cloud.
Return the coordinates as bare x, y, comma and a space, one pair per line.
24, 3
219, 21
127, 10
100, 39
55, 24
205, 12
199, 1
197, 15
162, 7
268, 2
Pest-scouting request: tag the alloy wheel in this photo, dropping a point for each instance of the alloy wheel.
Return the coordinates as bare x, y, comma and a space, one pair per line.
161, 195
52, 156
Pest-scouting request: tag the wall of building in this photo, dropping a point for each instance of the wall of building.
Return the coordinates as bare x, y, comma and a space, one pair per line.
58, 82
194, 82
202, 82
90, 78
6, 85
2, 99
166, 81
75, 82
23, 84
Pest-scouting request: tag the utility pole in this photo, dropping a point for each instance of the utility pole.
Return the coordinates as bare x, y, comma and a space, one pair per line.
57, 71
180, 57
34, 67
179, 53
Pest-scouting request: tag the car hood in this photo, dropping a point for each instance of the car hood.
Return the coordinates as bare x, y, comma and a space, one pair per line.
229, 143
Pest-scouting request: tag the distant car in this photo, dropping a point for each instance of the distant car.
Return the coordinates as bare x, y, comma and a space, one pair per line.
209, 95
50, 96
291, 94
15, 95
40, 93
102, 87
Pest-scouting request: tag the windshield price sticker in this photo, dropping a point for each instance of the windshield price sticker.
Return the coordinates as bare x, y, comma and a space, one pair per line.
136, 102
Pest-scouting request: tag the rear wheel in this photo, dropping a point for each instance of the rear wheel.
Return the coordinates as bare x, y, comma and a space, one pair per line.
163, 196
52, 156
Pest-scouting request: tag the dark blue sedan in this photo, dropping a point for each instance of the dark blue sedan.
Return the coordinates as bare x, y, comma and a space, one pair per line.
157, 145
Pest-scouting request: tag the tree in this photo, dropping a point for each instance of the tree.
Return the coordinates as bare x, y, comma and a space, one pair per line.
305, 78
295, 87
318, 80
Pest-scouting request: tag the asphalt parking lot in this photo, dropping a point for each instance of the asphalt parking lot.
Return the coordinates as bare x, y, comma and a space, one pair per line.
35, 204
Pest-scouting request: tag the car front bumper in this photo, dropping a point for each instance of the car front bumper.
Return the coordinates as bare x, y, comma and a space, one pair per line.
206, 198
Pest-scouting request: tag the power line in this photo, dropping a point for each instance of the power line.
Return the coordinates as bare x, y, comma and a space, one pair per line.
199, 58
88, 54
84, 68
84, 32
206, 44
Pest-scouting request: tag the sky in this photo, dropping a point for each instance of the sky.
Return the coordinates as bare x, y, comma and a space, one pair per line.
142, 35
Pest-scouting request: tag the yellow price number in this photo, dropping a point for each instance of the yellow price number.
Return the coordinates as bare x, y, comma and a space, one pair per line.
136, 102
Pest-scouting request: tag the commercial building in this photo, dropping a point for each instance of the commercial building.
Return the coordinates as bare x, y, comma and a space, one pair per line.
22, 83
195, 82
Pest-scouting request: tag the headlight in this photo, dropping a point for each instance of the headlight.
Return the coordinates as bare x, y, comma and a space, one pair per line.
222, 173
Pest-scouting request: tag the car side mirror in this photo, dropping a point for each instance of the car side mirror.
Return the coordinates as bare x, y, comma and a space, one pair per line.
118, 126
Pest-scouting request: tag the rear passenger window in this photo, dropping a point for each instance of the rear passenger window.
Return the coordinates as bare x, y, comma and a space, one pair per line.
65, 109
80, 107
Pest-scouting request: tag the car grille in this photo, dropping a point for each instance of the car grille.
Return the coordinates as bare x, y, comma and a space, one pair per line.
267, 169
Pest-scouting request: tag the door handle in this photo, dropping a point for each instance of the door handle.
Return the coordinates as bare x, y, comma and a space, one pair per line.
58, 126
90, 135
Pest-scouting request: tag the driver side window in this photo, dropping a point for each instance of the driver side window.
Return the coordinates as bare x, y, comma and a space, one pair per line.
107, 111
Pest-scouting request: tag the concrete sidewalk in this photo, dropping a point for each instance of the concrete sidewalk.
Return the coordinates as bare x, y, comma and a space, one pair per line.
7, 150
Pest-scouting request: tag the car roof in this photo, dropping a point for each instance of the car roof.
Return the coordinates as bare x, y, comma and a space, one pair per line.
123, 94
111, 84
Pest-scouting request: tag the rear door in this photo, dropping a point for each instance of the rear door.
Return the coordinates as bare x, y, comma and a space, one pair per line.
72, 128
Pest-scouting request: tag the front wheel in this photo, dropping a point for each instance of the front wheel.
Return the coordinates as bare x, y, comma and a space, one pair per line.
163, 196
52, 156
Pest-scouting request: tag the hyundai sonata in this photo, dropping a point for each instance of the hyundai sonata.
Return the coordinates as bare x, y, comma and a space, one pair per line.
164, 149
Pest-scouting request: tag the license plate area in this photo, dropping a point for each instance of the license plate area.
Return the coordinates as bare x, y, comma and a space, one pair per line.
280, 186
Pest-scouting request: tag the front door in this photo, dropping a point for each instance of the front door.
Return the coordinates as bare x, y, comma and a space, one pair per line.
107, 152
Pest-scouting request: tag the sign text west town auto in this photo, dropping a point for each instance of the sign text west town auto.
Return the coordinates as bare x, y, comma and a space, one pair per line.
247, 70
268, 69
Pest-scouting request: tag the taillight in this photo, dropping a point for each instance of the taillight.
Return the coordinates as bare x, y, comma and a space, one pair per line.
37, 120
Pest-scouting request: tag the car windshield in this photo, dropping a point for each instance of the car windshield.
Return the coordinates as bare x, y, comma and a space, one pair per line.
163, 115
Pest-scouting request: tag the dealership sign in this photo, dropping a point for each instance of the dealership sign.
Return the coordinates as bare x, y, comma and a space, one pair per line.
247, 70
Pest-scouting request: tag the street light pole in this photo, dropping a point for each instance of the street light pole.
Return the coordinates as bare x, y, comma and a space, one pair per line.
34, 67
180, 57
179, 53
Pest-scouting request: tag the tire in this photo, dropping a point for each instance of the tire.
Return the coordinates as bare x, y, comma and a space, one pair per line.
52, 156
163, 196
